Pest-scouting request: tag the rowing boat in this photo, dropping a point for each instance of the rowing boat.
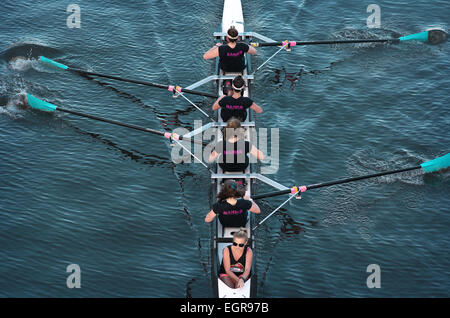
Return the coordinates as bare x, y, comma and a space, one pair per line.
232, 16
222, 237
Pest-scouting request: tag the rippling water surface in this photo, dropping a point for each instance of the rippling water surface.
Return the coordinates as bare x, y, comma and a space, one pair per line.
111, 200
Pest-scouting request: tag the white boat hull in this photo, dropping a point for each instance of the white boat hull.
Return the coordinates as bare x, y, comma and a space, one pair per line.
232, 15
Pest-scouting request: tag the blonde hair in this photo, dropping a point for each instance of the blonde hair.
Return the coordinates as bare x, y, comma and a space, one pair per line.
242, 233
233, 129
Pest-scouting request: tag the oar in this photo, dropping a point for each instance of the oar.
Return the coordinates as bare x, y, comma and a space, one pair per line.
39, 104
428, 166
434, 36
171, 88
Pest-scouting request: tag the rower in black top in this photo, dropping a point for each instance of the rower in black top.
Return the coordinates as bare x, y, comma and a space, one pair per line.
236, 105
231, 55
231, 208
234, 149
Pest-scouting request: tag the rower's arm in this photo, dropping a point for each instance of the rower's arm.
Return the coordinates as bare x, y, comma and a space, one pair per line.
256, 108
255, 208
248, 263
210, 216
252, 50
258, 154
213, 156
216, 105
212, 52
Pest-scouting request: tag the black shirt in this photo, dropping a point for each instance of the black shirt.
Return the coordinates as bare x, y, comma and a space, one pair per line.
232, 215
234, 107
233, 60
239, 150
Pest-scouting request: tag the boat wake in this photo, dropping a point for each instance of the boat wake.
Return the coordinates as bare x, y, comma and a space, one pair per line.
28, 51
14, 107
21, 57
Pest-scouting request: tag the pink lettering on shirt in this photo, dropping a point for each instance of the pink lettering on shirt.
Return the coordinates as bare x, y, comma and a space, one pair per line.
233, 152
235, 54
234, 107
232, 212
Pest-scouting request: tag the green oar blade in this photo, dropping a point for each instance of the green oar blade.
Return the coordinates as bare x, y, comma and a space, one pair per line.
36, 103
54, 63
436, 164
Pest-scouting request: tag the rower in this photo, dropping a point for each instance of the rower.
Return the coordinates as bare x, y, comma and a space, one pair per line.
236, 105
234, 149
231, 207
237, 258
231, 55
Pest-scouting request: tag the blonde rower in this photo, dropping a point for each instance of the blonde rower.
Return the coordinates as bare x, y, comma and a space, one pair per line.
237, 259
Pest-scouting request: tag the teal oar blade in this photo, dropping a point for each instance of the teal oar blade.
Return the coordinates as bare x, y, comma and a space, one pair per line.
434, 36
36, 103
421, 37
436, 164
174, 89
53, 63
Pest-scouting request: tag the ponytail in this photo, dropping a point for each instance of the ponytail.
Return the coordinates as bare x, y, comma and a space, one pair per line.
233, 129
242, 233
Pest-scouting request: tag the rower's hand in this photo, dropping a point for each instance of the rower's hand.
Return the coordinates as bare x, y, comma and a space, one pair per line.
241, 283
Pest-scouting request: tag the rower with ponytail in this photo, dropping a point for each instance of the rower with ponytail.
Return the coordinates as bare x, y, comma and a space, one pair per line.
231, 207
236, 105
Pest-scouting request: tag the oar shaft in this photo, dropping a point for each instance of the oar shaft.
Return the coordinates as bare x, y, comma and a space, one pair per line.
331, 183
271, 194
342, 181
113, 122
332, 42
118, 123
437, 164
39, 104
117, 78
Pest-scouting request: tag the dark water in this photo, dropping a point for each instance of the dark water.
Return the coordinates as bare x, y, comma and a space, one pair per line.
110, 200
